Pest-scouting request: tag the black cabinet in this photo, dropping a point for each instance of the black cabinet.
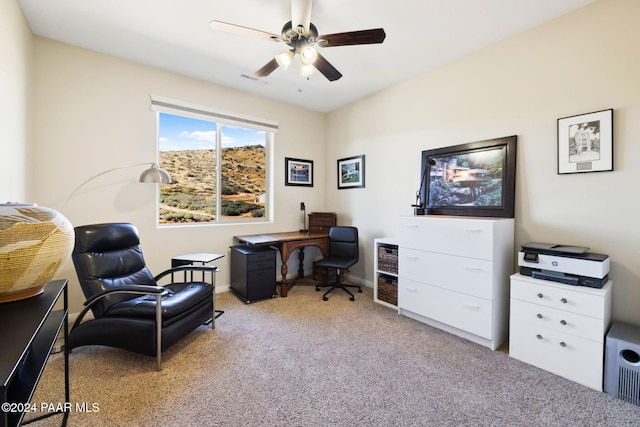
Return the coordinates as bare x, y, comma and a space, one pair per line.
253, 272
29, 330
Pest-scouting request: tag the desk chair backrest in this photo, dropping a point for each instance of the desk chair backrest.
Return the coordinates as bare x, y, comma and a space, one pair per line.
107, 256
343, 242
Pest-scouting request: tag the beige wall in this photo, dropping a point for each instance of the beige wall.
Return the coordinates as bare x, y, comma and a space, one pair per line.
92, 114
583, 62
15, 70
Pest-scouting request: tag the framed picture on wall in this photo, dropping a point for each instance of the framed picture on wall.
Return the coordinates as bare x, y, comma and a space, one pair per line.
351, 172
585, 143
298, 172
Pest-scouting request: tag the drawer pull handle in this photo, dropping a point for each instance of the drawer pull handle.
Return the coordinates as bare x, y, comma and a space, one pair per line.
539, 316
473, 230
563, 322
413, 258
540, 295
563, 300
539, 336
472, 268
412, 226
471, 306
563, 344
412, 290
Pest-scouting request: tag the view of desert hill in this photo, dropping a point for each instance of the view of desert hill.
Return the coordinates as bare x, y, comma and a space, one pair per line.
191, 197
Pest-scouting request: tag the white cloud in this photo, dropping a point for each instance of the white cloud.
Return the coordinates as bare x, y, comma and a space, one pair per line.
206, 136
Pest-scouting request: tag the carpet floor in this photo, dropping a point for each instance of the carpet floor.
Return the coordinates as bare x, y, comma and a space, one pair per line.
301, 361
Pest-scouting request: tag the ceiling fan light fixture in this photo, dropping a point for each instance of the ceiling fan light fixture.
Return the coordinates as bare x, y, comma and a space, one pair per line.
308, 55
284, 59
302, 38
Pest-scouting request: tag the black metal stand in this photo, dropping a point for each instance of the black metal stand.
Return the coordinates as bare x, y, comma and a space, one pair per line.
26, 347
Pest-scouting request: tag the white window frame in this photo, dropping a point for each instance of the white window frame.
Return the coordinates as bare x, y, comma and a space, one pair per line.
161, 104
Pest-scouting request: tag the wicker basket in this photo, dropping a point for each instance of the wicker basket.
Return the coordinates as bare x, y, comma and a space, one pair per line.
388, 289
326, 275
388, 259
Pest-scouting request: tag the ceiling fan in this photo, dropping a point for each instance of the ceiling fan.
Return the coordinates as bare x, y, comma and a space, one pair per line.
302, 38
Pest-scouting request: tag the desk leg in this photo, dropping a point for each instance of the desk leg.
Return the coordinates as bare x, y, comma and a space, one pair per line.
284, 286
301, 264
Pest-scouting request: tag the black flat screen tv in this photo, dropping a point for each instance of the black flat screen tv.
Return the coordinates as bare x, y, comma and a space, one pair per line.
474, 179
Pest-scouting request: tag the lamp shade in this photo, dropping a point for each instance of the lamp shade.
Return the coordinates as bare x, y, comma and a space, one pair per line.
306, 70
308, 55
155, 174
284, 59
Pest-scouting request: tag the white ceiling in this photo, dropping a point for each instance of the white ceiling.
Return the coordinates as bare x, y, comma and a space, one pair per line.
175, 35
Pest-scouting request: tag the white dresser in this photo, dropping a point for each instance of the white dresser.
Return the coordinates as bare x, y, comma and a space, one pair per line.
560, 328
454, 274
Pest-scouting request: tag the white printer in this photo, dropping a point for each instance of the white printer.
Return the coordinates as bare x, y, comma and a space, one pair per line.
572, 265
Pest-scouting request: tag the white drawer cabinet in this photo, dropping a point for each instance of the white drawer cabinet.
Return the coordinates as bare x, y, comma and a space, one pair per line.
453, 273
560, 328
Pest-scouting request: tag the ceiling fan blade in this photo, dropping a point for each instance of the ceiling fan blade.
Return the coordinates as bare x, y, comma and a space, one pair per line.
301, 15
238, 29
327, 70
268, 68
376, 35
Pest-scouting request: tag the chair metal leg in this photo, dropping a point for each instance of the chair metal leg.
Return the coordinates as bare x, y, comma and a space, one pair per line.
213, 299
342, 286
159, 332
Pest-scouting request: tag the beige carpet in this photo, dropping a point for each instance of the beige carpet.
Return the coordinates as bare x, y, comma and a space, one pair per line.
300, 361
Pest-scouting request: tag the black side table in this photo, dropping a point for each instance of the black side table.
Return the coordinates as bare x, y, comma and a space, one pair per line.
31, 327
202, 258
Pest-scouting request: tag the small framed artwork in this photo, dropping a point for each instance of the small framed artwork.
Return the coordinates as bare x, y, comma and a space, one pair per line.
298, 172
585, 143
351, 172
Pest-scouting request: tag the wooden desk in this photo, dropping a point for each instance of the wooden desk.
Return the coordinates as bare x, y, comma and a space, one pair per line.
286, 243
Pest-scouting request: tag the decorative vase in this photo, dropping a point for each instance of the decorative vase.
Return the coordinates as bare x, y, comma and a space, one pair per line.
35, 242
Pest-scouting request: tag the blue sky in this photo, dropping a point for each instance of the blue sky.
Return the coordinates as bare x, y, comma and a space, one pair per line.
183, 133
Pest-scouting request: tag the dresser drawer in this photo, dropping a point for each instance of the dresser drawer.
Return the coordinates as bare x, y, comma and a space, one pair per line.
465, 312
580, 300
541, 316
454, 236
578, 360
465, 275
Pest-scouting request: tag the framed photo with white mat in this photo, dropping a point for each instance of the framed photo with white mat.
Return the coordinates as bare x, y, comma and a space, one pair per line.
585, 143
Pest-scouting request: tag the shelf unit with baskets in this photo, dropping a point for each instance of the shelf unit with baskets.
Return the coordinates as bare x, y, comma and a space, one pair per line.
385, 285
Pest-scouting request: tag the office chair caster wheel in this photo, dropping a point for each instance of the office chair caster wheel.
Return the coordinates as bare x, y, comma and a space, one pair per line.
325, 299
359, 290
317, 289
352, 299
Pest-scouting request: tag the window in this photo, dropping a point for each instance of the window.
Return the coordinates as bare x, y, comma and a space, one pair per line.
219, 165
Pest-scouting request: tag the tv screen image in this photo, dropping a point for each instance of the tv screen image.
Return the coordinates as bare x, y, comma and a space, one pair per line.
474, 179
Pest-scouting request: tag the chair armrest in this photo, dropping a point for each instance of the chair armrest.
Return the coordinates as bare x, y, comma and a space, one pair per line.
129, 289
209, 268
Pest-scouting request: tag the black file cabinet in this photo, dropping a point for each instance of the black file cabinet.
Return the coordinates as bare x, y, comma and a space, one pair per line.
253, 272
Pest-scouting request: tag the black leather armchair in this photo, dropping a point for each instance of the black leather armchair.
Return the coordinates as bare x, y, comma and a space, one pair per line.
130, 309
343, 253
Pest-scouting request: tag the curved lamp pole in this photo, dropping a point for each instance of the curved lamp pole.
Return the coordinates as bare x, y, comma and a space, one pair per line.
153, 174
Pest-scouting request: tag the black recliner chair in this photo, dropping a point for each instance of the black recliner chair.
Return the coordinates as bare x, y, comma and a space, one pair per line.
343, 253
130, 309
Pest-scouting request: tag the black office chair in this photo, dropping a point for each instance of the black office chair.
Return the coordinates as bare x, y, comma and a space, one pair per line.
343, 253
131, 309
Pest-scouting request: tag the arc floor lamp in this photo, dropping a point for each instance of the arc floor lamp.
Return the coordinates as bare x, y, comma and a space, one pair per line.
154, 174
